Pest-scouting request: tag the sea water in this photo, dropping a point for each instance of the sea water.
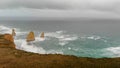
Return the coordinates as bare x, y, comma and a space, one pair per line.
82, 38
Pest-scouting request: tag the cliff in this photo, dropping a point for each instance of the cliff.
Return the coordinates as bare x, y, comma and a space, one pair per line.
7, 40
13, 58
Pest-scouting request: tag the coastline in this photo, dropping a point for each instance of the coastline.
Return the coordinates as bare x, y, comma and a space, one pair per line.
14, 58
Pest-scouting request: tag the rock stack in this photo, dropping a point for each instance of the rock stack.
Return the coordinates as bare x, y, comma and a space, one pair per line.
30, 37
13, 32
42, 35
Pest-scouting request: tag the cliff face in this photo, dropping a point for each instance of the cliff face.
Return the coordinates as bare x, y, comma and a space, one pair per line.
7, 40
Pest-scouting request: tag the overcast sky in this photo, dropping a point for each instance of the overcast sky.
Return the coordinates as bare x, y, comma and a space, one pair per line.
61, 8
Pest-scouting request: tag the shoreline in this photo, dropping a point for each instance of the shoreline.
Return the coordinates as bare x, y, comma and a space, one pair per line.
14, 58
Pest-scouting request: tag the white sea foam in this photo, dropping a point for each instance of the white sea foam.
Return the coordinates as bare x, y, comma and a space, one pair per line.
54, 52
62, 43
30, 47
94, 37
91, 37
18, 33
60, 32
65, 40
19, 43
4, 29
113, 51
39, 39
62, 37
53, 34
69, 39
57, 34
69, 48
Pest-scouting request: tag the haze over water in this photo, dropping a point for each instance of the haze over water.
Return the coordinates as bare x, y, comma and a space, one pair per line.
80, 37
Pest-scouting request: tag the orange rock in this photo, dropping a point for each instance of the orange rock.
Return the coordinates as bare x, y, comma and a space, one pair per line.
9, 37
42, 35
30, 37
7, 40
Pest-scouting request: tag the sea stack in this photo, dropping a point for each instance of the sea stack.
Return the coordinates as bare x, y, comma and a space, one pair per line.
13, 32
42, 35
30, 37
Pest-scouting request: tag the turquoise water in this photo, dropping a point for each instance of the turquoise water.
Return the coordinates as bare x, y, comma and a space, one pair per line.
84, 38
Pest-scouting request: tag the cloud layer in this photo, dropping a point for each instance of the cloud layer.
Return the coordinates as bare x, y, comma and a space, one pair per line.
61, 4
61, 7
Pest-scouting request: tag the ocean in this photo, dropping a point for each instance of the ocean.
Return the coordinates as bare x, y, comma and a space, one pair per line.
81, 37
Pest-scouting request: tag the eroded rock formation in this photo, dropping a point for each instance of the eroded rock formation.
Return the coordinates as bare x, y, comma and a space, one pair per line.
8, 37
30, 37
42, 35
6, 40
13, 32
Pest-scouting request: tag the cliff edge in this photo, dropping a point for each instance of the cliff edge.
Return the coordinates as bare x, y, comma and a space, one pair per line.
7, 40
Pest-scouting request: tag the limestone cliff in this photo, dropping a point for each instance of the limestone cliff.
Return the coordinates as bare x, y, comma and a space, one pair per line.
6, 40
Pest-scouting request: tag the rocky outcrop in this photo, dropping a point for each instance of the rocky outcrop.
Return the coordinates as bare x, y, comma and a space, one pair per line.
6, 40
42, 35
13, 32
30, 37
8, 37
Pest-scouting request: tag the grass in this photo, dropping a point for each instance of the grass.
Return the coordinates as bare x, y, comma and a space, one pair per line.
13, 58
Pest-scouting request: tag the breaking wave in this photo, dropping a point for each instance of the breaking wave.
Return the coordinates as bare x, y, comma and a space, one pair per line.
60, 42
113, 51
4, 29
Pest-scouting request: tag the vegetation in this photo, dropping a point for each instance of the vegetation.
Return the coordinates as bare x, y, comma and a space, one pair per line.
12, 58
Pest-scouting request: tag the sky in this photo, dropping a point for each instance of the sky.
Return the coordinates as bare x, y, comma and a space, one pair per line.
60, 8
